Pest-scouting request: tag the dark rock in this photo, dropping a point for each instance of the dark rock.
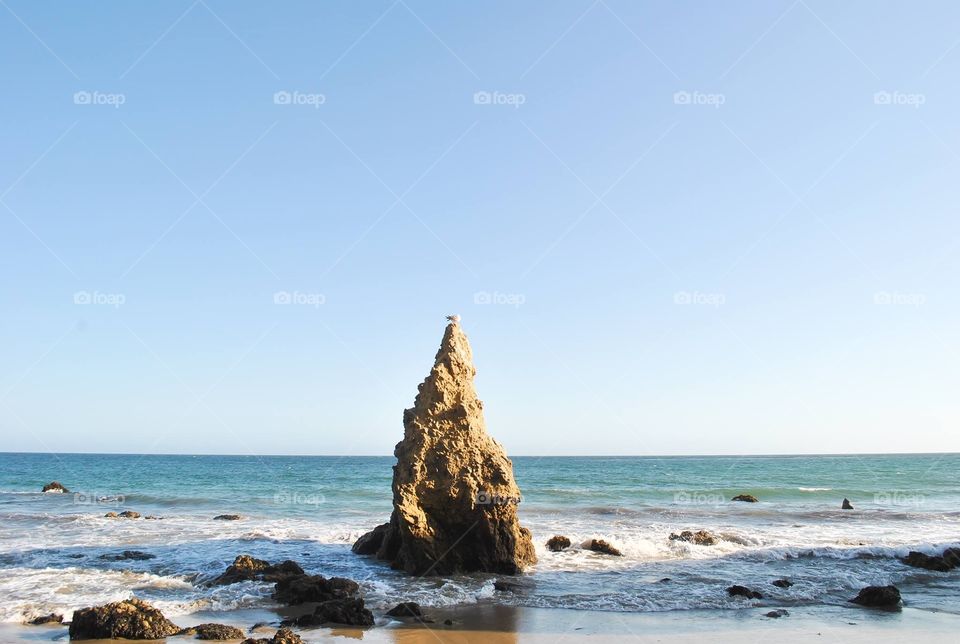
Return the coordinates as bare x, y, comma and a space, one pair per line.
448, 622
227, 517
300, 589
700, 537
129, 514
783, 583
132, 619
247, 568
283, 636
52, 618
664, 580
216, 632
349, 611
927, 562
55, 486
601, 546
846, 505
369, 543
952, 557
777, 614
405, 609
134, 555
878, 597
558, 543
516, 585
743, 591
746, 498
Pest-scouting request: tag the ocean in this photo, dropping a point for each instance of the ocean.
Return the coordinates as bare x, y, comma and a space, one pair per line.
55, 549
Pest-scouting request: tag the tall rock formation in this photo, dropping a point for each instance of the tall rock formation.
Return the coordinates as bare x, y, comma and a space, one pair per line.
454, 496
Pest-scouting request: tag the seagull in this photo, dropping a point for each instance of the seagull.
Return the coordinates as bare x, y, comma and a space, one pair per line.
455, 319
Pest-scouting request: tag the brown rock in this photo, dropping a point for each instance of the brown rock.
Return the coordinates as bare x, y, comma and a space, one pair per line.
301, 589
52, 618
131, 619
558, 543
454, 495
214, 632
227, 517
601, 546
247, 568
283, 636
370, 543
700, 537
349, 611
55, 486
746, 498
129, 514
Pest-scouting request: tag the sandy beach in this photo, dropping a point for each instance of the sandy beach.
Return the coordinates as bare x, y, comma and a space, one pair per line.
500, 624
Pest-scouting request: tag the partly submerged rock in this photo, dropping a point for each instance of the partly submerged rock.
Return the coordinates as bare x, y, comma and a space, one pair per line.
370, 543
405, 609
782, 583
55, 486
604, 548
301, 589
454, 495
777, 614
52, 618
134, 555
227, 517
247, 568
746, 498
131, 619
349, 611
700, 537
927, 562
513, 585
282, 636
846, 505
558, 543
743, 591
878, 597
127, 514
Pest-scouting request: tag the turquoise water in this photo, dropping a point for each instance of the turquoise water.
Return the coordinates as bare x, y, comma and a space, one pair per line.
312, 508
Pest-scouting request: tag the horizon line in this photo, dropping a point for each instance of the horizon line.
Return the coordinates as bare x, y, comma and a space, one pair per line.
761, 454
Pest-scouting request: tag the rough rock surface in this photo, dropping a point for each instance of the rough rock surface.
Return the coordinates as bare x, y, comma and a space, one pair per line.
746, 498
700, 537
558, 543
55, 486
927, 562
405, 609
454, 496
370, 543
131, 619
604, 548
349, 611
246, 568
283, 636
878, 597
214, 632
300, 589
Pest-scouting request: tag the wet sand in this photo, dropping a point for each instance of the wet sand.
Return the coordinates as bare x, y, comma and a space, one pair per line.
499, 624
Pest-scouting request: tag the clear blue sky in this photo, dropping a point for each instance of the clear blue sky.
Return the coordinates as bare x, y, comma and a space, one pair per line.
766, 262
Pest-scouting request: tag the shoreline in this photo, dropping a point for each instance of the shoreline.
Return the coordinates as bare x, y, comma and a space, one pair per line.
503, 624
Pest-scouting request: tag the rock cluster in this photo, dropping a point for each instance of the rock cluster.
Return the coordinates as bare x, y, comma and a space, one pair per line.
247, 568
743, 591
454, 495
131, 619
946, 562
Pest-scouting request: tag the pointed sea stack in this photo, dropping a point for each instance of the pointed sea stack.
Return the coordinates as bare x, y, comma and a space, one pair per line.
454, 496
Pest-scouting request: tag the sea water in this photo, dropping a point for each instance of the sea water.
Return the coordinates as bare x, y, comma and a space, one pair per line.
55, 548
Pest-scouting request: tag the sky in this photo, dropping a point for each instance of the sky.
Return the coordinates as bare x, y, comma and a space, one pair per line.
669, 228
